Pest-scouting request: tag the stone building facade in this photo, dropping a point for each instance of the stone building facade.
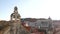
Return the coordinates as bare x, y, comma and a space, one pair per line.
42, 24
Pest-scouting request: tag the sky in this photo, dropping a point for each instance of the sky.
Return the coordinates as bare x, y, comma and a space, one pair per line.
30, 8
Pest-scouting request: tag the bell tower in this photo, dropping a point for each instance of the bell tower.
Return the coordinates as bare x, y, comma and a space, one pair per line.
15, 25
15, 22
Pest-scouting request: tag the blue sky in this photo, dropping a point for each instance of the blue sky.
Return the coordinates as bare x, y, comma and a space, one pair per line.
30, 8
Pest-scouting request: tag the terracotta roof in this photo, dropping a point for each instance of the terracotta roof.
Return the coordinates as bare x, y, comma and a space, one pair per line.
30, 19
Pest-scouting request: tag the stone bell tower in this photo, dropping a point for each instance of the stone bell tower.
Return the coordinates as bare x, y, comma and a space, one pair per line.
15, 25
15, 22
